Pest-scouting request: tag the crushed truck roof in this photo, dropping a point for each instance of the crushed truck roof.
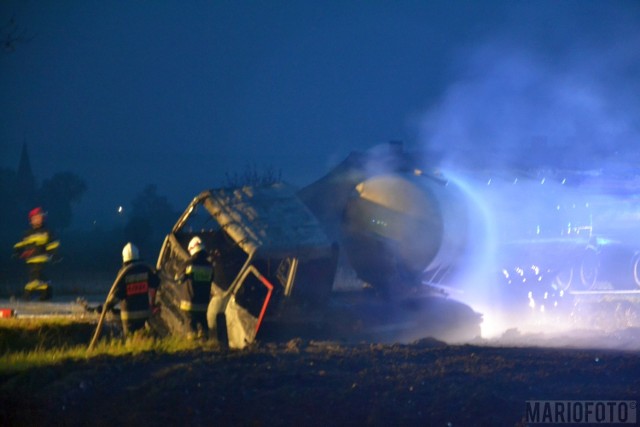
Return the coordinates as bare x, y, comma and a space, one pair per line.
272, 221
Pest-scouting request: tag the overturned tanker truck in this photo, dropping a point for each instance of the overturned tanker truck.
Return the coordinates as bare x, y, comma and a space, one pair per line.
350, 257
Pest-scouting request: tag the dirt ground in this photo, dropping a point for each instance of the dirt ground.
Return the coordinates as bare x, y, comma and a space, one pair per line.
307, 383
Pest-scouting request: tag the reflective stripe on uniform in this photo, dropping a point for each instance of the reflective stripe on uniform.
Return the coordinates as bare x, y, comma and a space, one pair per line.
134, 315
36, 285
40, 239
53, 245
189, 306
38, 259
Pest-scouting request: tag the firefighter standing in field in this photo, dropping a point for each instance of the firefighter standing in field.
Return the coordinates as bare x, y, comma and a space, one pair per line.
37, 248
195, 289
135, 291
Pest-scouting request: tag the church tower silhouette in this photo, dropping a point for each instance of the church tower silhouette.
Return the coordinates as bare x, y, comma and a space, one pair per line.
25, 180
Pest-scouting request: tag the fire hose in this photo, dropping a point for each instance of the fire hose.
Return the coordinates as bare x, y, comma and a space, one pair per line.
105, 308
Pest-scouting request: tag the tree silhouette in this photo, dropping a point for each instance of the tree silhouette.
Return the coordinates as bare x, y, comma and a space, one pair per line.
12, 214
138, 230
57, 194
11, 35
151, 219
252, 177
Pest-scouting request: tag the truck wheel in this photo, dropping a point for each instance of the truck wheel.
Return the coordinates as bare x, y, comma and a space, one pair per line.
635, 267
589, 266
563, 279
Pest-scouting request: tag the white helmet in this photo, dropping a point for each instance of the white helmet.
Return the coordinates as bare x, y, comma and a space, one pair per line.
130, 252
195, 246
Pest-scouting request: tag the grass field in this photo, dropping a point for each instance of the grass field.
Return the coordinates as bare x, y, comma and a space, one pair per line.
29, 343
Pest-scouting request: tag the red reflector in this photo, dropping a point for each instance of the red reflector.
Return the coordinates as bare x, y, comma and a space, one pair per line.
6, 312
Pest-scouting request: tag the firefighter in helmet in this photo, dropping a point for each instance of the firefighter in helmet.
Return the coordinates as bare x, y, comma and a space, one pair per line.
135, 291
37, 247
195, 289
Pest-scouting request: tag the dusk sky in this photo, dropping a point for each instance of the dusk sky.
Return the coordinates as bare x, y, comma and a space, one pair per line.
173, 93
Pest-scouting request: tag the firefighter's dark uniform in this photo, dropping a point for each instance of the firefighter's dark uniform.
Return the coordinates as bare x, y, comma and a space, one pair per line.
195, 291
132, 291
37, 247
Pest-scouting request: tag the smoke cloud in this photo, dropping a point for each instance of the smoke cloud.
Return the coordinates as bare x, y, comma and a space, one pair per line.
541, 134
513, 107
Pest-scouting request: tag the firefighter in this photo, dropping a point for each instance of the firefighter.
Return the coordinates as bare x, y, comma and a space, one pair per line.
195, 289
135, 291
37, 249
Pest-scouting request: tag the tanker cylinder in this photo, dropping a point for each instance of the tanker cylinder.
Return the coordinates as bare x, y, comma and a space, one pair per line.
398, 226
